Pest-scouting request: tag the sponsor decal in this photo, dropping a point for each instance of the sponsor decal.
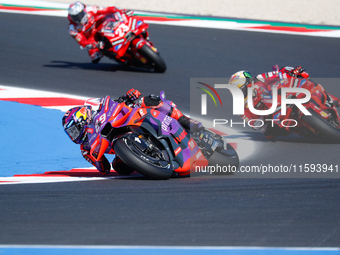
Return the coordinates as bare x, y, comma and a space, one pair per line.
296, 81
302, 82
139, 22
107, 103
133, 24
191, 144
154, 113
178, 150
214, 146
118, 47
117, 42
181, 136
90, 130
142, 112
323, 114
166, 123
204, 97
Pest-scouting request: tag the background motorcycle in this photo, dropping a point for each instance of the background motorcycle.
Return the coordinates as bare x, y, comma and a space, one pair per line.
152, 143
126, 40
324, 120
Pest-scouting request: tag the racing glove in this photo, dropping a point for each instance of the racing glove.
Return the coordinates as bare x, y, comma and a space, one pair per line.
101, 45
91, 46
128, 12
298, 71
133, 94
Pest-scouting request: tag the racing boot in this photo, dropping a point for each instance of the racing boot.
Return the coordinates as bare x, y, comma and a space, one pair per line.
95, 55
335, 100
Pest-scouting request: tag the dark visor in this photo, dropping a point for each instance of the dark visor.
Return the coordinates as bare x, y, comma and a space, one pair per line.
73, 132
78, 17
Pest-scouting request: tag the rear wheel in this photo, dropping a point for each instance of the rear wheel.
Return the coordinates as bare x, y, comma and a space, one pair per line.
154, 59
327, 128
153, 162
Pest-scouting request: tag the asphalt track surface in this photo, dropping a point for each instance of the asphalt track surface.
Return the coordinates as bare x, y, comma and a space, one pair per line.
38, 53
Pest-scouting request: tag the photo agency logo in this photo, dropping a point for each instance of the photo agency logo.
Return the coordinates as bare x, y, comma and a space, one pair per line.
277, 101
204, 97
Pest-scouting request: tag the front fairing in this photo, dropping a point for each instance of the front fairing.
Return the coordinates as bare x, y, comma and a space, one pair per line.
110, 115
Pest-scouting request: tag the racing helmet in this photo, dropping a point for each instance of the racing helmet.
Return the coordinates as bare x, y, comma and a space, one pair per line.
241, 79
74, 122
77, 13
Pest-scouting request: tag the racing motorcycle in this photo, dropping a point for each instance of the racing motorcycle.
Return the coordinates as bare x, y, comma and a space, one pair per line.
152, 143
324, 120
125, 39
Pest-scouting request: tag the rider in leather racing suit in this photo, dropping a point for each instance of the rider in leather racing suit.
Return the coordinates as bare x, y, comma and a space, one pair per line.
82, 25
75, 123
262, 84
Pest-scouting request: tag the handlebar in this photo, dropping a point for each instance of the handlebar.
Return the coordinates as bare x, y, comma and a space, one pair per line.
125, 99
121, 99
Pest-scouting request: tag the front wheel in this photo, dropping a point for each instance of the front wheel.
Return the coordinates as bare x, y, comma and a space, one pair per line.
225, 161
328, 129
153, 163
154, 59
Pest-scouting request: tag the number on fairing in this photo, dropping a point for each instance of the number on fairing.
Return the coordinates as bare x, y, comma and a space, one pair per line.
121, 29
99, 122
102, 118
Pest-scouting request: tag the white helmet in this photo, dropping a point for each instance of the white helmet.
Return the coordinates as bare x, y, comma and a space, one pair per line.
241, 79
77, 13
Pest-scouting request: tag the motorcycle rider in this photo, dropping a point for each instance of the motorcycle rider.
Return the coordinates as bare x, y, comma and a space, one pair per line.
262, 84
75, 123
82, 26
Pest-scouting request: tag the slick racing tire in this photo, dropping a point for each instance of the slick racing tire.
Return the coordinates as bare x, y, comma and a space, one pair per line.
326, 129
154, 59
146, 164
227, 159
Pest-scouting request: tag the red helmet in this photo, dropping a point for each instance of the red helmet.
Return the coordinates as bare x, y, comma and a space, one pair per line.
77, 13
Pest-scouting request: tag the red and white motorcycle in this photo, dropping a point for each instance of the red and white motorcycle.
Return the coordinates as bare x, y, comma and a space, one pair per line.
126, 40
